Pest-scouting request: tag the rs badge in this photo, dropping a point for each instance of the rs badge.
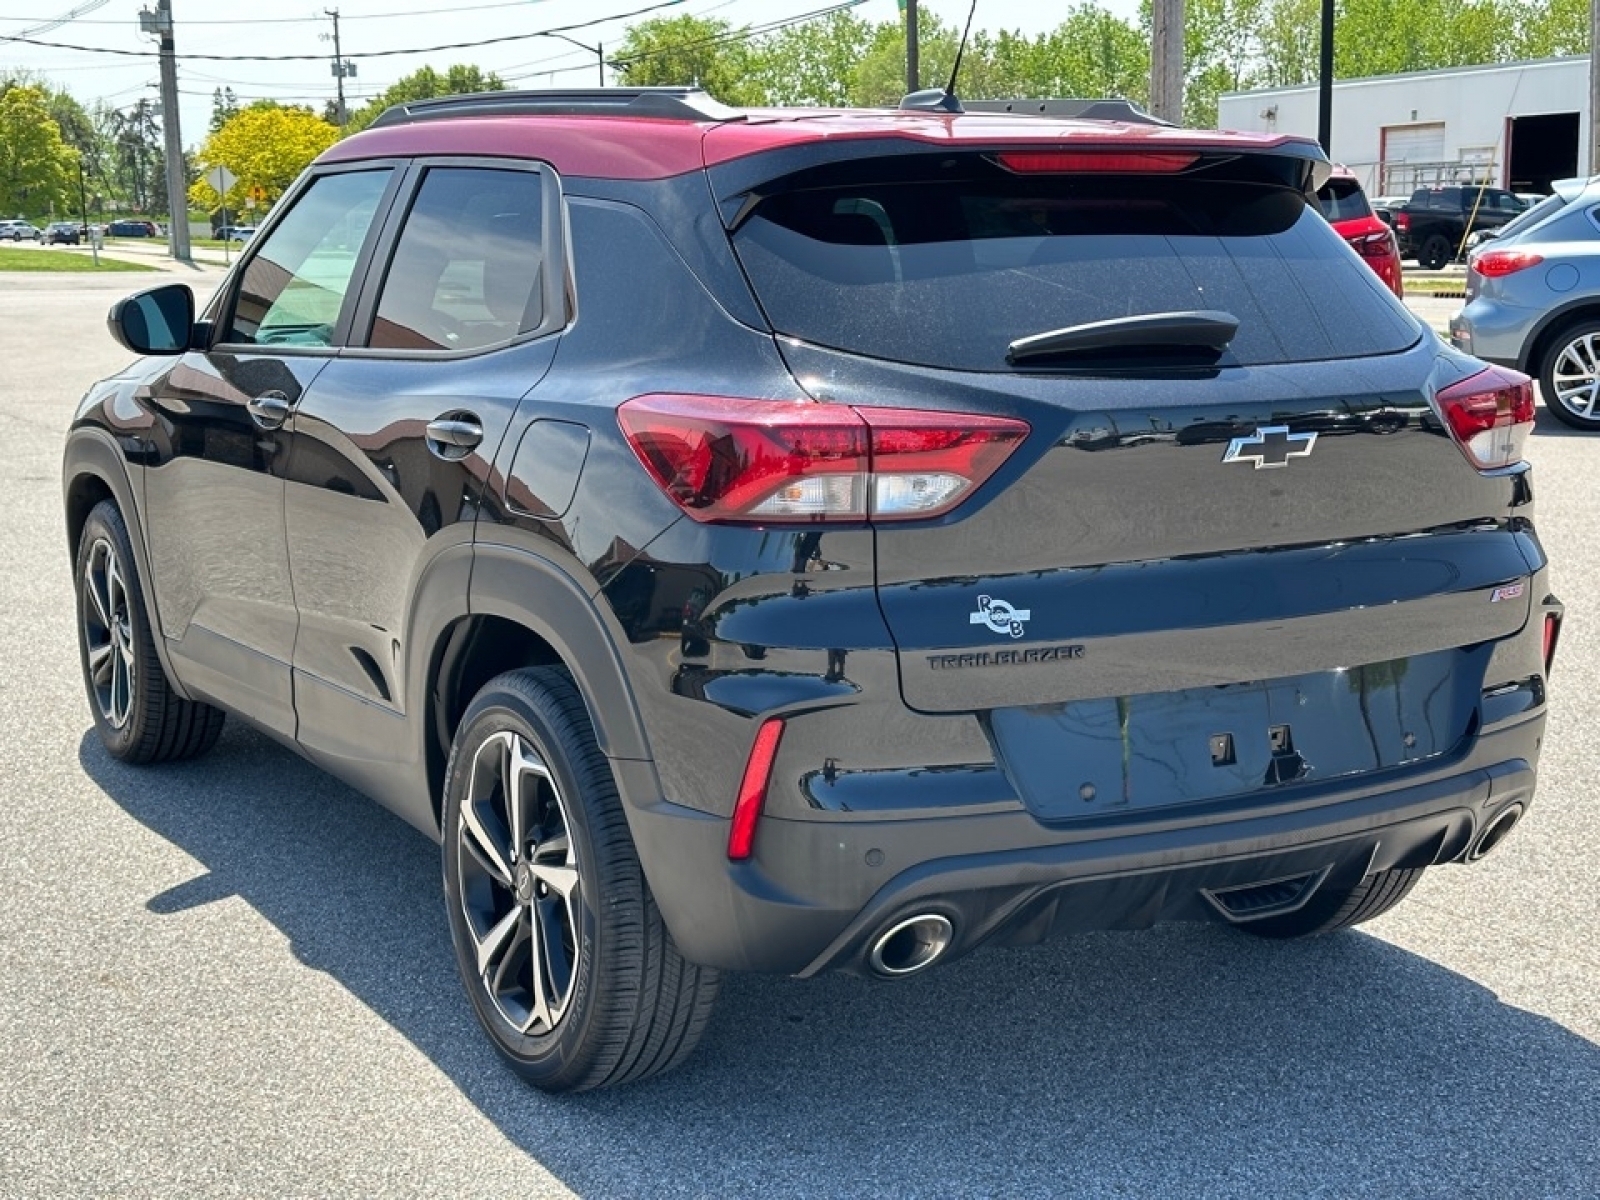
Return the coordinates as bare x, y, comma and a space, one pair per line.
999, 616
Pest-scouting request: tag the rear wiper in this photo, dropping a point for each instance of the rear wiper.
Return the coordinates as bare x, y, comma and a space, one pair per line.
1208, 330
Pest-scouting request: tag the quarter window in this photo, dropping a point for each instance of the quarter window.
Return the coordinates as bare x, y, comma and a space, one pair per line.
294, 286
466, 270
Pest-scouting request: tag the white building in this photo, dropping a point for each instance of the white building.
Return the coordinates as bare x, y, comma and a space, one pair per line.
1518, 125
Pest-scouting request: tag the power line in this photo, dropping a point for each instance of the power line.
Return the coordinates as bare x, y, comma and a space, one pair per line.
389, 16
738, 35
508, 37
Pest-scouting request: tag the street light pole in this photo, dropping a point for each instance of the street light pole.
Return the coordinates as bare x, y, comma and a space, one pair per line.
913, 50
598, 50
1325, 81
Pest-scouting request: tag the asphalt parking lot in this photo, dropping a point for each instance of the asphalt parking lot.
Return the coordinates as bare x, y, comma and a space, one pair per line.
233, 977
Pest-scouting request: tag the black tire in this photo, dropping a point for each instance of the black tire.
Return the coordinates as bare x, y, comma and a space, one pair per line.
1436, 251
1579, 345
138, 715
1340, 907
614, 1001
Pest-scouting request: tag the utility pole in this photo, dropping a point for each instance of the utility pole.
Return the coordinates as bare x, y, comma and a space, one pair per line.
1325, 80
341, 69
1594, 87
1166, 60
160, 24
913, 69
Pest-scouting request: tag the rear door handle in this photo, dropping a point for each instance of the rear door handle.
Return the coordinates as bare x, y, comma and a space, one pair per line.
453, 436
270, 409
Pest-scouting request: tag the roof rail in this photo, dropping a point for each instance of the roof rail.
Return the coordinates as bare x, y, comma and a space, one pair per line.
664, 103
1114, 109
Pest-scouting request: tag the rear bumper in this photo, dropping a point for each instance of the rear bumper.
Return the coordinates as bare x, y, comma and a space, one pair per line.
818, 892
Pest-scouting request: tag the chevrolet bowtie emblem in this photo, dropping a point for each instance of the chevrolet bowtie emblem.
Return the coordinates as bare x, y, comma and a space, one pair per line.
1270, 446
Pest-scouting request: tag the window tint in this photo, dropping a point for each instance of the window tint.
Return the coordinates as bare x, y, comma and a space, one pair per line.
947, 272
465, 272
295, 285
1342, 200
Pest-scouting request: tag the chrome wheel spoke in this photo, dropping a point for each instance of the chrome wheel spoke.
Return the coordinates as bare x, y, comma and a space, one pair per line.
561, 880
493, 945
491, 847
100, 665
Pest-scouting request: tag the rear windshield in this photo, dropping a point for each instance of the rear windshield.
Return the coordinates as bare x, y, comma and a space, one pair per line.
1343, 200
945, 263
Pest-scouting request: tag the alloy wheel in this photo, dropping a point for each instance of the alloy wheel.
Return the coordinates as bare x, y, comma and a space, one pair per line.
1576, 377
108, 634
520, 884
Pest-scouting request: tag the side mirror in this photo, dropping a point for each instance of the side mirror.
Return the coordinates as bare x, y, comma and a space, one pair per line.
159, 321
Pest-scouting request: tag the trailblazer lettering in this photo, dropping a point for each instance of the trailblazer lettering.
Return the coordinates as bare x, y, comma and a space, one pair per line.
1004, 658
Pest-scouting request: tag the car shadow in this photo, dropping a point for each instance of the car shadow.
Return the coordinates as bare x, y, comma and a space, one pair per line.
1546, 425
1188, 1060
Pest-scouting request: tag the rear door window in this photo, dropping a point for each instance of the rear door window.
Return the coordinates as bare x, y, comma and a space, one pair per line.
1343, 200
944, 263
466, 271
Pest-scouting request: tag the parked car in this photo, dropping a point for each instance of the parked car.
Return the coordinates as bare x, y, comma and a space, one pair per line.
1345, 206
1433, 225
65, 233
939, 531
20, 231
1384, 207
1562, 192
134, 229
1533, 303
236, 233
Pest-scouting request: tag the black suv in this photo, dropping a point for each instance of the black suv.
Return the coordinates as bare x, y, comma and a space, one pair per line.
797, 540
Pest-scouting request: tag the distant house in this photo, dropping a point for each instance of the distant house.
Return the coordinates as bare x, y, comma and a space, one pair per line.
1515, 125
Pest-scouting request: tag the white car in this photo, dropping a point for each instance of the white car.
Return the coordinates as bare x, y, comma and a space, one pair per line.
18, 231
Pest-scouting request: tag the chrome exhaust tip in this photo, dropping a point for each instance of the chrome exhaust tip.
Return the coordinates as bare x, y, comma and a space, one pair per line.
1495, 832
911, 945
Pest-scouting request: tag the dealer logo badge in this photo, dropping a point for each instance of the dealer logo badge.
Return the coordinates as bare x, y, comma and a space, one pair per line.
999, 616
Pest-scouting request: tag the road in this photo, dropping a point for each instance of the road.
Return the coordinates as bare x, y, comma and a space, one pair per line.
233, 977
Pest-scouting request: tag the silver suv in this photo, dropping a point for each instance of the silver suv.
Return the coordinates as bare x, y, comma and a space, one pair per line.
1533, 301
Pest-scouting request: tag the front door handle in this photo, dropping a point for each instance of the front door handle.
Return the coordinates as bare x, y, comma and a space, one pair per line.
270, 409
453, 436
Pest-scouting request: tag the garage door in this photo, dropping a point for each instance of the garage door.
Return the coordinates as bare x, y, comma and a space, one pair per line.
1405, 149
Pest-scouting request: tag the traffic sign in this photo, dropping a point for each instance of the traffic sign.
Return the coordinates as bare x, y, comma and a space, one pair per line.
221, 179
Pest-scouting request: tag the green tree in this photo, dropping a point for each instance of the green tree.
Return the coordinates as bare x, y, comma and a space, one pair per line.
1552, 27
38, 171
425, 84
1093, 53
700, 51
266, 148
224, 107
811, 63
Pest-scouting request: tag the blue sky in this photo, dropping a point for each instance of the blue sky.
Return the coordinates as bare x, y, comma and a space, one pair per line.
371, 25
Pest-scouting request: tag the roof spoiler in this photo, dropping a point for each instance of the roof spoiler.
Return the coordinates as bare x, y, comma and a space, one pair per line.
1107, 109
662, 103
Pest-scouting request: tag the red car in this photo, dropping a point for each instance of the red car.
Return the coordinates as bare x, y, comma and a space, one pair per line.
1345, 205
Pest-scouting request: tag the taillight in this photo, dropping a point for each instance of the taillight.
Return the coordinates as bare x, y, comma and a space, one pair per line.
1489, 415
1495, 263
1095, 162
774, 461
1372, 245
1402, 220
1552, 634
752, 796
